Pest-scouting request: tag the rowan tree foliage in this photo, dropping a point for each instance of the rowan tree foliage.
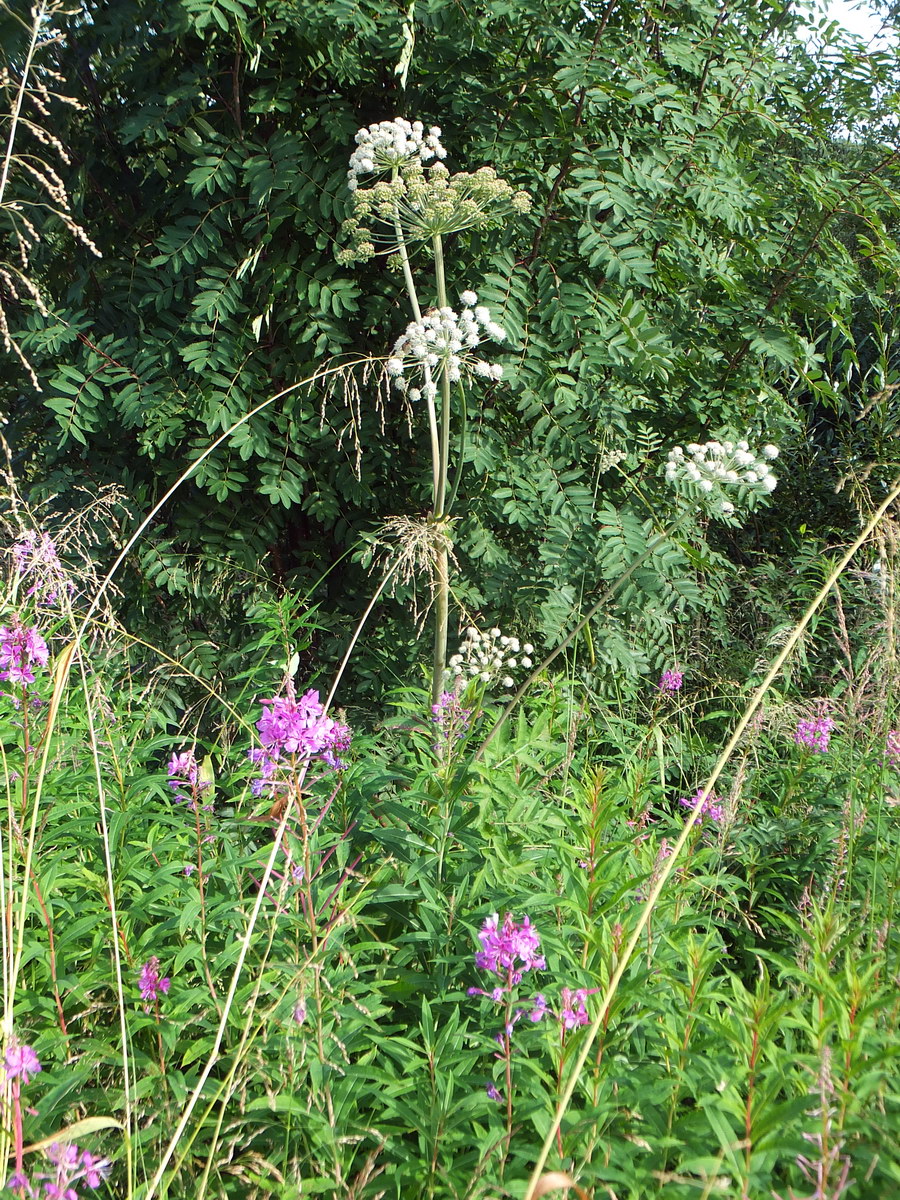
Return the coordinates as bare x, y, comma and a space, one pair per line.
712, 245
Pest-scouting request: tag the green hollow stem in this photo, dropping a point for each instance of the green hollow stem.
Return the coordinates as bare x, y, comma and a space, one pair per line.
417, 316
441, 283
441, 621
756, 699
442, 557
457, 473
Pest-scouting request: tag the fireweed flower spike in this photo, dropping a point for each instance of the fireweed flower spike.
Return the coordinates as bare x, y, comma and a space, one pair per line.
20, 650
149, 982
892, 749
671, 681
183, 770
573, 1011
509, 950
450, 720
722, 476
711, 810
70, 1166
296, 729
21, 1063
36, 562
814, 735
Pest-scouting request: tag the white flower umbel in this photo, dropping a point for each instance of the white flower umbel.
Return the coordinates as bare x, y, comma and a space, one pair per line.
444, 341
389, 144
722, 476
487, 656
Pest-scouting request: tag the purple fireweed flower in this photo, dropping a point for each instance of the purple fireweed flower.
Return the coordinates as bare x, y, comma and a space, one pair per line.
451, 721
574, 1010
540, 1008
671, 681
21, 1062
892, 748
95, 1169
184, 780
814, 735
492, 1092
509, 949
183, 769
299, 727
149, 981
711, 810
20, 649
35, 549
71, 1166
35, 558
299, 1013
292, 728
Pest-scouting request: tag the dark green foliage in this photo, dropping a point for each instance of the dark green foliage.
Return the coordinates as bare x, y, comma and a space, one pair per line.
706, 250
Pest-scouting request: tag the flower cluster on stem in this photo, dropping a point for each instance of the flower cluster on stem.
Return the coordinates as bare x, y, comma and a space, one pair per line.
814, 734
421, 200
389, 145
451, 722
722, 476
20, 650
69, 1166
711, 809
37, 562
485, 656
444, 341
291, 730
151, 985
671, 681
185, 781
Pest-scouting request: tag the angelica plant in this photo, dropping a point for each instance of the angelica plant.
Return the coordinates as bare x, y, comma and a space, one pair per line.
423, 202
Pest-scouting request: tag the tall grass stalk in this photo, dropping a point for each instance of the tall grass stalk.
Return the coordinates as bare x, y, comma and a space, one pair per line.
114, 919
796, 633
39, 13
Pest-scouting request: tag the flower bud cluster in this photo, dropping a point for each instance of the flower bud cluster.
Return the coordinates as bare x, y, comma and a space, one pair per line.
385, 145
484, 656
716, 471
418, 202
444, 341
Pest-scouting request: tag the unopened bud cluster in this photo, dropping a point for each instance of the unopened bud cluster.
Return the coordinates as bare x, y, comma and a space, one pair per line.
418, 202
385, 145
444, 341
485, 656
716, 471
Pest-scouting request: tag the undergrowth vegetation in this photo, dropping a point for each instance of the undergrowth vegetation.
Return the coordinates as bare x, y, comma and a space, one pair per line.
280, 960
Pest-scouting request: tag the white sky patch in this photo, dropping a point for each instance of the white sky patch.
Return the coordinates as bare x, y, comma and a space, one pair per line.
859, 20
